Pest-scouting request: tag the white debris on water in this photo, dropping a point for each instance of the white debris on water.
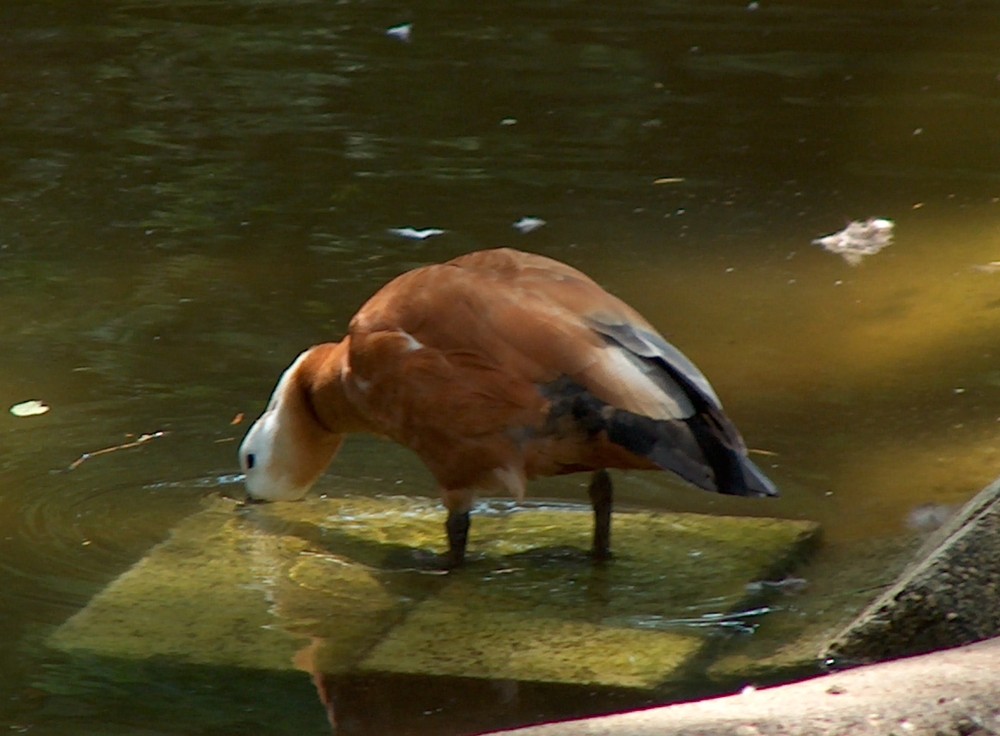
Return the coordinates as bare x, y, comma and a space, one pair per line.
403, 32
528, 224
991, 267
859, 239
411, 233
929, 516
31, 408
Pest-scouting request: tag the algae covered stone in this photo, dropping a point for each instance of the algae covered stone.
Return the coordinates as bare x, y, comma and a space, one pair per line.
228, 590
196, 597
536, 608
343, 585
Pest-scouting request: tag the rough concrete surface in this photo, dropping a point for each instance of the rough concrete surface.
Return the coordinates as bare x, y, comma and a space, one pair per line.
956, 691
949, 595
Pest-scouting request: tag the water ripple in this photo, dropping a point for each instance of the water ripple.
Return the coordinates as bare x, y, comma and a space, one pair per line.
743, 622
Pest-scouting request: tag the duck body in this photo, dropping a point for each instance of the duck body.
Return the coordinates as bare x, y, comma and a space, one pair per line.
495, 368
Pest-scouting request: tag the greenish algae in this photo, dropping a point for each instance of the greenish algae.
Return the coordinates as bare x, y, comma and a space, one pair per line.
225, 591
460, 637
339, 585
533, 607
166, 604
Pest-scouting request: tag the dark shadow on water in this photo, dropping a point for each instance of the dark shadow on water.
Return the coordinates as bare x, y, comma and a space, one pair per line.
131, 696
413, 706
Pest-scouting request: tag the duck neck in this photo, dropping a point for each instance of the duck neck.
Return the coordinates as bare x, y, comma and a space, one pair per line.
322, 377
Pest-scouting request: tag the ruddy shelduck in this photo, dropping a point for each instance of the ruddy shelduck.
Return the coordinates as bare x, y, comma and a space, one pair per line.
495, 368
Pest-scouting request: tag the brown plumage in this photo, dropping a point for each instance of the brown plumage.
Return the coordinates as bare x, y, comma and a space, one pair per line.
497, 367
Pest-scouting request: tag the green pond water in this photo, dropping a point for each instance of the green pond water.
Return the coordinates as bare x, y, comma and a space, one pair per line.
191, 192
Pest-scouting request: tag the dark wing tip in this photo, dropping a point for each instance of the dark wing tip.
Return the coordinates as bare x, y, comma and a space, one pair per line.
755, 483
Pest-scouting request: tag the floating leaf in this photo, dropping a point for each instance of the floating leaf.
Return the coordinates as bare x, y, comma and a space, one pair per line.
29, 408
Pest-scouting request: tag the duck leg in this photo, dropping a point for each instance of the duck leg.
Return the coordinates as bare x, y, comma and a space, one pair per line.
457, 527
601, 497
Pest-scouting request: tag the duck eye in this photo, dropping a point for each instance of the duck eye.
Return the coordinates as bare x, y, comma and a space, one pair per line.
250, 460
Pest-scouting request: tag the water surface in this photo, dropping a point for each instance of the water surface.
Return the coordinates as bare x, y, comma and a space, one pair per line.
193, 192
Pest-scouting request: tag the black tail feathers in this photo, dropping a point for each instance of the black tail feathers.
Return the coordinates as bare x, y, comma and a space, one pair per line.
704, 449
723, 449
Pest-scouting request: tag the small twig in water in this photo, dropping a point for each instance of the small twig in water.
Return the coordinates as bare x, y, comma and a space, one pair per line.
140, 440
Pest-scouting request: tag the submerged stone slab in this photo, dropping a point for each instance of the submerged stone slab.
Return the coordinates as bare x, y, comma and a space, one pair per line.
193, 598
235, 590
336, 586
537, 609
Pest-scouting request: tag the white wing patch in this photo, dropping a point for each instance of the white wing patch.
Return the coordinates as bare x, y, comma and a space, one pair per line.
630, 385
678, 376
